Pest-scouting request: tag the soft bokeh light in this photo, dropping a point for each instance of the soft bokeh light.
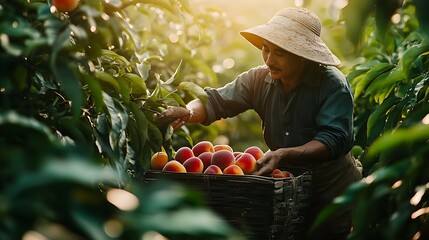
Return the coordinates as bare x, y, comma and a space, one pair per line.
396, 18
122, 199
228, 63
33, 235
152, 235
113, 228
425, 120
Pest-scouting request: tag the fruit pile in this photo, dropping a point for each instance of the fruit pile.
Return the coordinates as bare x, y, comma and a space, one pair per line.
206, 158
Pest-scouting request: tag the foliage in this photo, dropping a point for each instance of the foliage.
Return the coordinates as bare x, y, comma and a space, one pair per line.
80, 93
391, 109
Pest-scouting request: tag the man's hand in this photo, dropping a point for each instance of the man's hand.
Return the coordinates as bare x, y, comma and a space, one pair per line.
269, 162
176, 116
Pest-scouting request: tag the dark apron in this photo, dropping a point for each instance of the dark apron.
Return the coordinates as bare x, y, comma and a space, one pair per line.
329, 180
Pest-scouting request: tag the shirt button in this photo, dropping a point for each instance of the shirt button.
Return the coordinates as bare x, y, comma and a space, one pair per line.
287, 133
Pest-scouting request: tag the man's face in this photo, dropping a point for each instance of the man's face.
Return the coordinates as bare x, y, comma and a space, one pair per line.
282, 64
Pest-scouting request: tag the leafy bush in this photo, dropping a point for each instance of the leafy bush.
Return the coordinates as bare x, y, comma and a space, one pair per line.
79, 98
391, 108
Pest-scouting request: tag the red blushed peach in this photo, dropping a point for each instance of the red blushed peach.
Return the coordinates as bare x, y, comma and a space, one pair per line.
222, 147
236, 154
203, 146
206, 157
183, 153
255, 151
213, 169
223, 159
287, 174
174, 166
246, 162
158, 160
277, 173
194, 165
65, 5
233, 169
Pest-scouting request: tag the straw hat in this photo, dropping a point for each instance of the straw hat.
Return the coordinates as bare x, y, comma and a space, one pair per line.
296, 30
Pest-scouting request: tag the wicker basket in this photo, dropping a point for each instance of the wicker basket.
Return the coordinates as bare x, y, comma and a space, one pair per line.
259, 207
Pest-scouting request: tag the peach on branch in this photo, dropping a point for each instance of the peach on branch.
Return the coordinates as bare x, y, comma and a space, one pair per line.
194, 165
246, 162
213, 169
255, 151
222, 159
65, 5
203, 146
174, 166
183, 153
233, 169
158, 160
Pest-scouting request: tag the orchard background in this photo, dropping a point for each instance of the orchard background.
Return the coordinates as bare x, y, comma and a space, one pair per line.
80, 94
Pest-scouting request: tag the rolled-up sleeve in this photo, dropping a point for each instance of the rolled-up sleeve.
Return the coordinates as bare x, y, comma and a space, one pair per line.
231, 99
335, 121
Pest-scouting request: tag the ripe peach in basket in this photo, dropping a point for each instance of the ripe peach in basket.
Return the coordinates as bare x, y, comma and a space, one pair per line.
222, 147
233, 169
194, 165
223, 158
213, 169
255, 151
246, 162
183, 153
206, 157
158, 160
174, 166
277, 173
203, 146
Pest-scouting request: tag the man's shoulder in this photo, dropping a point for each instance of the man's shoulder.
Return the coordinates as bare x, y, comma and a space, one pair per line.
334, 76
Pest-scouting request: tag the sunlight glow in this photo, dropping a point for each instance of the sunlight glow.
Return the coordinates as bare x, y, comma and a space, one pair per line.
418, 196
228, 63
33, 235
340, 4
396, 18
113, 228
397, 184
122, 199
299, 3
152, 235
419, 212
425, 120
174, 38
369, 179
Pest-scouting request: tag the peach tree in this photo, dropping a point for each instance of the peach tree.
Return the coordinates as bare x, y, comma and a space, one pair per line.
80, 92
391, 107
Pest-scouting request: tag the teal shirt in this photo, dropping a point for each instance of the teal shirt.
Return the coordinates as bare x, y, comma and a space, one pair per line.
319, 108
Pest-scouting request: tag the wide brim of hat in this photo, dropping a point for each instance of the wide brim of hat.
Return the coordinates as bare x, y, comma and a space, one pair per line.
310, 47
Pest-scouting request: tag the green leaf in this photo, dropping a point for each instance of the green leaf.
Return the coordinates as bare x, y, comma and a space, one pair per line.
175, 78
378, 117
143, 68
107, 78
194, 90
417, 133
138, 85
410, 55
67, 75
370, 76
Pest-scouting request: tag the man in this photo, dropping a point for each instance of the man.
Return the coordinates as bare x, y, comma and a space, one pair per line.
306, 107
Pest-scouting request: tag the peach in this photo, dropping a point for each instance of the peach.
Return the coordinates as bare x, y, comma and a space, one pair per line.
237, 154
287, 174
203, 146
223, 158
183, 153
222, 147
277, 173
255, 151
158, 160
65, 5
233, 169
194, 165
206, 157
246, 162
213, 169
174, 166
